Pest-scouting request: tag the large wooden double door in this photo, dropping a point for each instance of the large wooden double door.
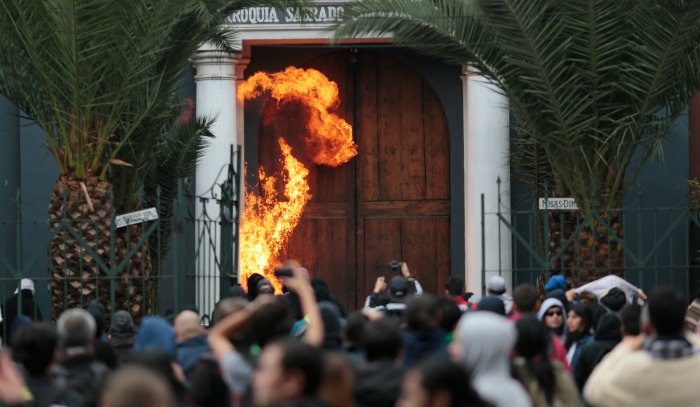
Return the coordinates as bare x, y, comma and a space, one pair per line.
392, 201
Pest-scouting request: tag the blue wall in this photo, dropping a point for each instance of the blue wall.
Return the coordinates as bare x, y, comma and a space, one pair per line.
32, 170
662, 184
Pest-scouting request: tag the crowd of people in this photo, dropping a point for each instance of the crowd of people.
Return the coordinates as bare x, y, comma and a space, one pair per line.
608, 346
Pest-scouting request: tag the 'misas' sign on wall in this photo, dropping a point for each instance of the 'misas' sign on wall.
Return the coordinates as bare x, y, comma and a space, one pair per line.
289, 15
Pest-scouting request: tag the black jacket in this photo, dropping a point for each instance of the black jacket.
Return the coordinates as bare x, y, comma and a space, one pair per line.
378, 384
607, 336
9, 311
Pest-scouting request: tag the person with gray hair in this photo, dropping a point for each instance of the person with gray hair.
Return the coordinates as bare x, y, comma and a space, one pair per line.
76, 330
77, 367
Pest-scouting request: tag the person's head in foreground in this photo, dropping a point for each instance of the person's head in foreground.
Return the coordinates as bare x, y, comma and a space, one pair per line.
438, 382
664, 313
133, 386
287, 371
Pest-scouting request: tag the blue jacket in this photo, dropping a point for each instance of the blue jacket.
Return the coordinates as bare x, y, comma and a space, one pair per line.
577, 352
189, 351
421, 345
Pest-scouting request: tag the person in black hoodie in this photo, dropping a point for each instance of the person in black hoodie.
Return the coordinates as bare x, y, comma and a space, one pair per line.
607, 336
103, 350
323, 293
122, 335
252, 285
423, 338
614, 300
378, 383
11, 310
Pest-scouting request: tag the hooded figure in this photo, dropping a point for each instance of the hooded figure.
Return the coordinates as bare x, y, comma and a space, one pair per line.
614, 299
323, 293
607, 336
103, 350
550, 304
485, 341
122, 334
252, 285
265, 287
156, 332
11, 309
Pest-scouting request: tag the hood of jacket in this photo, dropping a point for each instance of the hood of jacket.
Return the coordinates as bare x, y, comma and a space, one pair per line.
486, 341
608, 328
547, 304
156, 332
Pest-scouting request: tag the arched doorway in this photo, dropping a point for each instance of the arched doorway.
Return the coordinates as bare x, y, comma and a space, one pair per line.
393, 200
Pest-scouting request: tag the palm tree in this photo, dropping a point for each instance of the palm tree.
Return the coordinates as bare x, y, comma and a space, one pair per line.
100, 78
592, 83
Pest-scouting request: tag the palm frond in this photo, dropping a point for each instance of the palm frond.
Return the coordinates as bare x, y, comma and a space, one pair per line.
178, 153
591, 82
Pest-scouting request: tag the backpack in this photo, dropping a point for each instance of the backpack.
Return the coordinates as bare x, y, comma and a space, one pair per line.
83, 384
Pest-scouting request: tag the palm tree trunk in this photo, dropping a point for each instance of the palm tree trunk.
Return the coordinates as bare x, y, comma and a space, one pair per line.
594, 252
76, 276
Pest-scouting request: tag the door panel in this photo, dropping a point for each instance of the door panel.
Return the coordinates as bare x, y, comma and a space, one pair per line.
392, 201
403, 201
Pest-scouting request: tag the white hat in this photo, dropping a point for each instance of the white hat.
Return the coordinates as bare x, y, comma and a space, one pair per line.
25, 284
496, 283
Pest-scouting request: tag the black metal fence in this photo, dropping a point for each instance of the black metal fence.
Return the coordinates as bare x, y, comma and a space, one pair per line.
192, 252
648, 246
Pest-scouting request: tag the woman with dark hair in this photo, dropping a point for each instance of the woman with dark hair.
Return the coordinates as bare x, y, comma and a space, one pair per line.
578, 325
439, 382
545, 380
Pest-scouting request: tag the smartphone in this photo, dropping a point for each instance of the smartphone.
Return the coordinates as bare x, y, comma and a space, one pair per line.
283, 273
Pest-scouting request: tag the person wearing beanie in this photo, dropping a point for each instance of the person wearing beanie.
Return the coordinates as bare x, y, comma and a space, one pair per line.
122, 335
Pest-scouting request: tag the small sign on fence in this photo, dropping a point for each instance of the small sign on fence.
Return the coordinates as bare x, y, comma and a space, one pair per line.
558, 204
136, 217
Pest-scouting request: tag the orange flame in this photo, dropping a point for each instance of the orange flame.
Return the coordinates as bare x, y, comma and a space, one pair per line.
268, 222
330, 138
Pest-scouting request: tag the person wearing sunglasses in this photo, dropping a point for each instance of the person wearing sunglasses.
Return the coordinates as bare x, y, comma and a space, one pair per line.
552, 316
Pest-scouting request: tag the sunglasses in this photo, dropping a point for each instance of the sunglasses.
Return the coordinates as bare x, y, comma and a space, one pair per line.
553, 313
